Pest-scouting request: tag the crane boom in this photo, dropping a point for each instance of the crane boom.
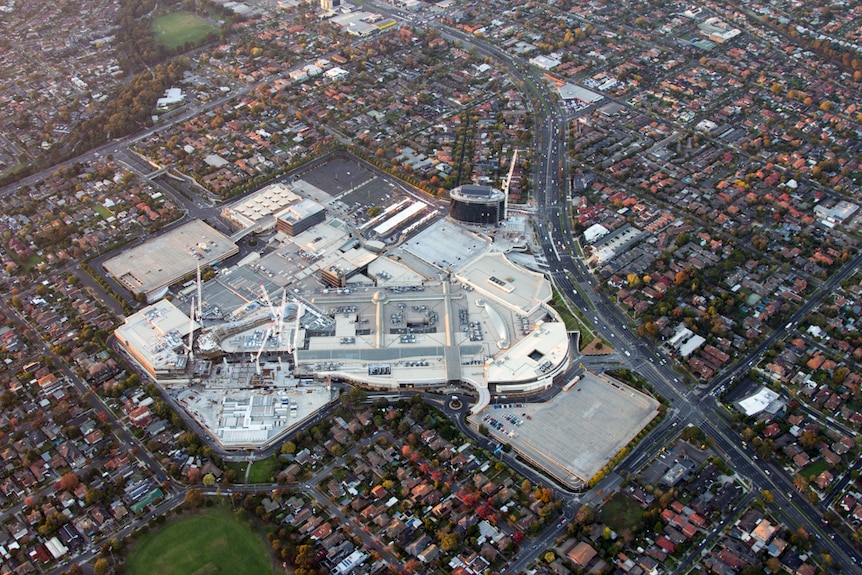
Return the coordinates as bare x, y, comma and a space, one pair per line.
260, 350
280, 316
200, 297
296, 327
266, 298
191, 345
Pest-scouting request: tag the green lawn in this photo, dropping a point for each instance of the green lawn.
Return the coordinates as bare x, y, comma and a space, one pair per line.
572, 323
262, 471
33, 261
176, 29
238, 469
13, 169
815, 469
212, 542
103, 211
621, 512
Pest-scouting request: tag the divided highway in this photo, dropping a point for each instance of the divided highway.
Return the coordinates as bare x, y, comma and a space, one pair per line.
688, 406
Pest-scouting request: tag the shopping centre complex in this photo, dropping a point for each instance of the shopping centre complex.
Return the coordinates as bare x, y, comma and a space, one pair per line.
380, 289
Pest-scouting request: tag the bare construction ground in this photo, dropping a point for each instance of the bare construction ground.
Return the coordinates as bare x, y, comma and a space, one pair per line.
575, 434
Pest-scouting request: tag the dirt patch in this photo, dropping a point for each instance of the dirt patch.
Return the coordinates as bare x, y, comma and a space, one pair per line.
597, 347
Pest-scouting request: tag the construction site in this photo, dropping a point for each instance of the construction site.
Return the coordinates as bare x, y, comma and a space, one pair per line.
389, 298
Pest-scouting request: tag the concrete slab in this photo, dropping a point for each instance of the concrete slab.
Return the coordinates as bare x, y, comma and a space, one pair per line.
165, 259
575, 434
446, 245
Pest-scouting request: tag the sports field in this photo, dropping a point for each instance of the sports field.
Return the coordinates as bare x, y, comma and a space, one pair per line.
176, 29
213, 542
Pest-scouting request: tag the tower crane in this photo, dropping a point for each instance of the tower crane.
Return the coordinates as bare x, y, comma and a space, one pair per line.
200, 297
281, 309
292, 347
277, 313
256, 357
190, 349
267, 300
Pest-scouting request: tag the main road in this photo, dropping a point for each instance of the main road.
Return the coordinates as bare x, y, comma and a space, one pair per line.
574, 280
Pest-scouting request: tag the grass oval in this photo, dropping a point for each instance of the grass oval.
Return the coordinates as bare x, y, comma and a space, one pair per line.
213, 542
175, 29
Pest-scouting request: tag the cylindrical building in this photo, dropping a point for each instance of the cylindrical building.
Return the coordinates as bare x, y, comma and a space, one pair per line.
477, 204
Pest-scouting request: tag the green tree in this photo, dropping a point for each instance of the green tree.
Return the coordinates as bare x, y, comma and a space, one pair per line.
193, 498
586, 515
449, 542
766, 449
101, 566
694, 434
93, 495
356, 396
808, 438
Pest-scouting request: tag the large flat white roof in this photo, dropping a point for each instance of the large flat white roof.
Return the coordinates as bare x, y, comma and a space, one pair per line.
321, 238
511, 286
300, 210
544, 62
446, 245
265, 202
754, 404
685, 341
595, 232
390, 272
531, 357
155, 332
348, 260
166, 258
571, 92
387, 226
356, 23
